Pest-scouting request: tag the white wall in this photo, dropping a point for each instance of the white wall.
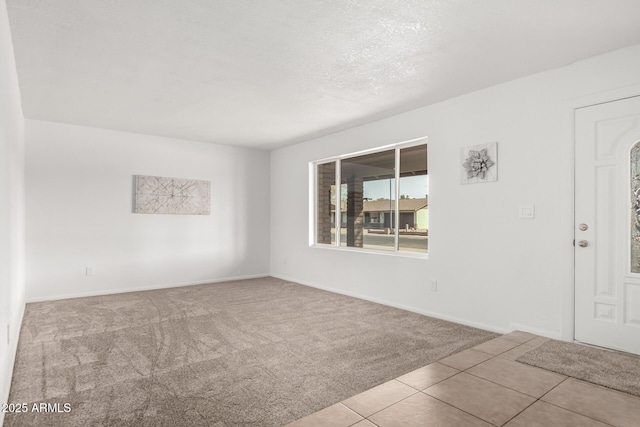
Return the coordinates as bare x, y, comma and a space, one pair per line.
79, 184
11, 207
494, 270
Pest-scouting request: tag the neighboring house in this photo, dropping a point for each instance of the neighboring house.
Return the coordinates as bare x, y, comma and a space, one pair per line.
414, 213
343, 211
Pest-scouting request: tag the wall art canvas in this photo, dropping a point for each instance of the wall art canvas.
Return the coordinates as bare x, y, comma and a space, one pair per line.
174, 196
479, 163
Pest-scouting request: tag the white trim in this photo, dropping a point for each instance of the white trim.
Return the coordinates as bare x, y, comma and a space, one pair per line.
313, 197
146, 288
406, 254
396, 222
11, 357
404, 144
605, 97
338, 218
400, 306
569, 298
313, 202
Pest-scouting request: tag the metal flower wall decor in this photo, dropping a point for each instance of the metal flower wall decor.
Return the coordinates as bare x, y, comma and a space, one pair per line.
480, 163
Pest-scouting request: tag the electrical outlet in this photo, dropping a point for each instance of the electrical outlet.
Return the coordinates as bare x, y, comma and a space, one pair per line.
89, 270
434, 285
527, 212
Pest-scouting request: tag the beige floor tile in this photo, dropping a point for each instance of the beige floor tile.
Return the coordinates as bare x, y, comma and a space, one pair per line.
542, 414
364, 423
378, 398
600, 403
537, 341
465, 359
422, 410
516, 352
486, 400
427, 376
337, 415
519, 336
496, 346
523, 378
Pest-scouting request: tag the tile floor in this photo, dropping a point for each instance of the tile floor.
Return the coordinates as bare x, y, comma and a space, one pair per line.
483, 386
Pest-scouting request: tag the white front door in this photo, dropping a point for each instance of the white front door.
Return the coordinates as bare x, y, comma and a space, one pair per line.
607, 241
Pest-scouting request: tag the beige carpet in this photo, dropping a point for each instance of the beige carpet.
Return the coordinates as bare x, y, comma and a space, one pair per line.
619, 371
260, 352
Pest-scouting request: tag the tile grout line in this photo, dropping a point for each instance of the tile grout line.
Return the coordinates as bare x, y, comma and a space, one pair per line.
539, 399
512, 389
462, 370
577, 413
438, 382
377, 425
502, 352
461, 410
466, 370
566, 409
342, 404
418, 391
534, 402
408, 385
509, 388
523, 409
388, 406
519, 342
500, 385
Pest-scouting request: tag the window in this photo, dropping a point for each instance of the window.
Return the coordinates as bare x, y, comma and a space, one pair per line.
363, 211
326, 179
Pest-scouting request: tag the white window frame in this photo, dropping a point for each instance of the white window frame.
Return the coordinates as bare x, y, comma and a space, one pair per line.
314, 198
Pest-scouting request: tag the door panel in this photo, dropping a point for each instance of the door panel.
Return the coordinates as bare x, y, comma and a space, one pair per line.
607, 292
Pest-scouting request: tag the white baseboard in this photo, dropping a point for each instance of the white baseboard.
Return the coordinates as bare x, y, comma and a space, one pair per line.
11, 359
144, 288
400, 306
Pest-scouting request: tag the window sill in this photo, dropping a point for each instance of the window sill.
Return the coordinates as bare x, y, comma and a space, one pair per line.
402, 254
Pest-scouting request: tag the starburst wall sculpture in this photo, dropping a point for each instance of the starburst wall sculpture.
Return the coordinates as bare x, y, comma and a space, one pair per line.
480, 163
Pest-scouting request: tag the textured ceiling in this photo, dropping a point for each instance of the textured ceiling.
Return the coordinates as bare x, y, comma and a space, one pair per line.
274, 72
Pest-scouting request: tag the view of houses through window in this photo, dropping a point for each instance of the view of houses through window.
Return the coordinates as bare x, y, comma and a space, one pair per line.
370, 215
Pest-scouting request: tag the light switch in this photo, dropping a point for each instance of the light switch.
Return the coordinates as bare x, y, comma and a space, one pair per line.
527, 212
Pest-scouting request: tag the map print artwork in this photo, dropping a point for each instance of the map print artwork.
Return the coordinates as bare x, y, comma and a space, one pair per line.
175, 196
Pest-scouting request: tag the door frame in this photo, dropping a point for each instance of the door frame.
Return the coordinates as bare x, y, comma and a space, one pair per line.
569, 299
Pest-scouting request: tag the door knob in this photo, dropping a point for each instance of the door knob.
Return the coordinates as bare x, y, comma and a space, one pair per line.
583, 243
583, 227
